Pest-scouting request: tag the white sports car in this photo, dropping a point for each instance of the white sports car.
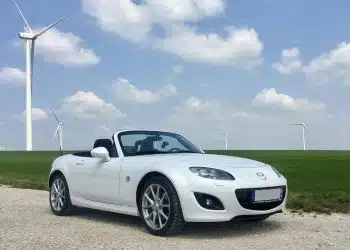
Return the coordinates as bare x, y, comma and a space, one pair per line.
166, 180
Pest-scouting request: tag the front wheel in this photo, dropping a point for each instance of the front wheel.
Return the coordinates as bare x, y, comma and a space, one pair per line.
160, 208
59, 196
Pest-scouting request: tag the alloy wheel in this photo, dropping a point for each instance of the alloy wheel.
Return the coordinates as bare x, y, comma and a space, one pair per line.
155, 206
58, 197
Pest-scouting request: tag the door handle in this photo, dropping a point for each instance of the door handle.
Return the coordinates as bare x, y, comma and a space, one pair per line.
80, 163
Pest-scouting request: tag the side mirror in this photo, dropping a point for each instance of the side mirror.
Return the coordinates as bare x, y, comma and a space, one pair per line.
100, 152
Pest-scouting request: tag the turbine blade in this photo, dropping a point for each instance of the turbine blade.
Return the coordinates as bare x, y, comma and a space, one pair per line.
55, 116
23, 18
48, 27
56, 133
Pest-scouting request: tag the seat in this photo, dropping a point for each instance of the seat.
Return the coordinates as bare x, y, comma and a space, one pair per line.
146, 145
108, 144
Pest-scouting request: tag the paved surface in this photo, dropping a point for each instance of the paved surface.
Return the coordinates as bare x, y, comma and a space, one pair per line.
26, 222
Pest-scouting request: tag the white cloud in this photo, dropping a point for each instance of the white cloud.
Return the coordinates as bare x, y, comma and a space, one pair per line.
240, 48
87, 105
38, 114
141, 23
168, 90
333, 66
177, 69
290, 62
65, 48
127, 92
133, 21
123, 17
12, 76
196, 105
328, 68
277, 101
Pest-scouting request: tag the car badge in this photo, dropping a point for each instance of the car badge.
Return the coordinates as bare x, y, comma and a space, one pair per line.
261, 175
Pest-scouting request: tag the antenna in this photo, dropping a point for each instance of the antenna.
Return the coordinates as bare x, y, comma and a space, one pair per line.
58, 132
303, 127
29, 41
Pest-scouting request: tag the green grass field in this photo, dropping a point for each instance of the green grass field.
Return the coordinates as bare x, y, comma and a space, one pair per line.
318, 180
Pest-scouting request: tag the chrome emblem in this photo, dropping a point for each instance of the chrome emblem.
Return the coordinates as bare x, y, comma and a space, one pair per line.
261, 175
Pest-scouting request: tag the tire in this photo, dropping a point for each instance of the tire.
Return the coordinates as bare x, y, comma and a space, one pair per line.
62, 206
169, 205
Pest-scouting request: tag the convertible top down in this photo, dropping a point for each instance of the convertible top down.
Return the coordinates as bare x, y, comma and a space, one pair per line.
166, 180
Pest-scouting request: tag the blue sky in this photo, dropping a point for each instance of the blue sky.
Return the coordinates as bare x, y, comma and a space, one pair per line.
199, 68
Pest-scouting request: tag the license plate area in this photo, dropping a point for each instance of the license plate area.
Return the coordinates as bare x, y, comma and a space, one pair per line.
267, 195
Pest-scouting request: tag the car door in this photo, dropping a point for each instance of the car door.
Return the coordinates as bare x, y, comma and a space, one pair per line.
99, 179
132, 170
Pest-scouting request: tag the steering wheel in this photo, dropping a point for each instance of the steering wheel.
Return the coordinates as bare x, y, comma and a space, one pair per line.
174, 149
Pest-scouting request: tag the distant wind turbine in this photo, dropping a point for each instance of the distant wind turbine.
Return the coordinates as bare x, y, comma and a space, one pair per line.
29, 40
58, 132
303, 127
226, 139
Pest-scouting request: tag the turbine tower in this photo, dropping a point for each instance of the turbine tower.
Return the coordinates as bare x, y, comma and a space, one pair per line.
58, 132
29, 40
226, 139
303, 127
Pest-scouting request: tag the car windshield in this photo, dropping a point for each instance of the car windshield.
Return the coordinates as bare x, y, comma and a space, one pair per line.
154, 142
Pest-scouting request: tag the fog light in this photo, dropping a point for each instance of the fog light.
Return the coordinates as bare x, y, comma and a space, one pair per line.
208, 201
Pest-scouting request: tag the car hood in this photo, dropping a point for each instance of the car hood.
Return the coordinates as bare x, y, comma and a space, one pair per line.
209, 160
243, 169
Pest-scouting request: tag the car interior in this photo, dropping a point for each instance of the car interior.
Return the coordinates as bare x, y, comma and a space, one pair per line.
140, 147
102, 142
144, 145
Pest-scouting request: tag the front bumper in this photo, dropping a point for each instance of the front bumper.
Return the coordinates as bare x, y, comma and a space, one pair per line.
235, 198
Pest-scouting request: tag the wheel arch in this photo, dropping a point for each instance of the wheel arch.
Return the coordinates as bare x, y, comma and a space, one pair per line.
147, 177
55, 173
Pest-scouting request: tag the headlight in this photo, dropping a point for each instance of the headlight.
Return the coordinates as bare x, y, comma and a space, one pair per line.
212, 173
276, 171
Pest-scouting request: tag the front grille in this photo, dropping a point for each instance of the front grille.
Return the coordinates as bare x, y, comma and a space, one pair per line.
245, 199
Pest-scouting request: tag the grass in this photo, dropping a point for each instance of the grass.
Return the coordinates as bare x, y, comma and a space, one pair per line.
318, 181
26, 169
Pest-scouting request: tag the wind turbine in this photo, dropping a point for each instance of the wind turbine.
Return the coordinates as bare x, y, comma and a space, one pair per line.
226, 138
303, 127
58, 132
29, 41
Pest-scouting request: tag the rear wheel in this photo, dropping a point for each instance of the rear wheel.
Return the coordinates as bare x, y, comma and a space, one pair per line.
59, 196
160, 208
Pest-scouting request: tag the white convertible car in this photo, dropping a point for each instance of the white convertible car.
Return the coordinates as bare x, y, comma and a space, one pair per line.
166, 180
